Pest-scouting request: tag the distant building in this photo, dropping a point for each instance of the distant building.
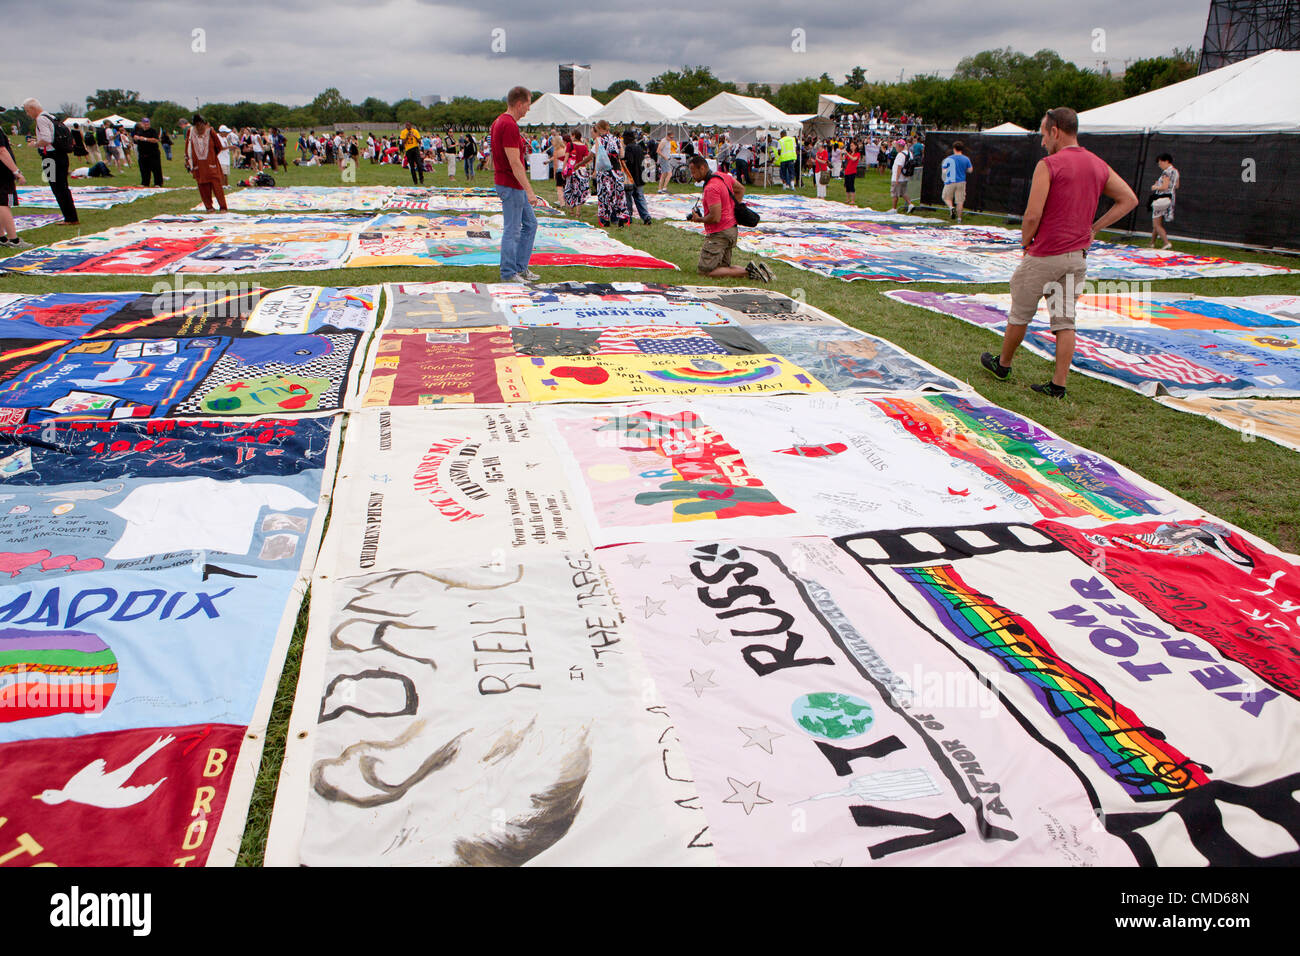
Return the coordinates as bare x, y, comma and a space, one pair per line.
431, 99
575, 78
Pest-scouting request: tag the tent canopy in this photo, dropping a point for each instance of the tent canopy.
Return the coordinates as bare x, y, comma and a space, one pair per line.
633, 106
827, 103
116, 121
1256, 95
561, 109
75, 120
1007, 128
734, 111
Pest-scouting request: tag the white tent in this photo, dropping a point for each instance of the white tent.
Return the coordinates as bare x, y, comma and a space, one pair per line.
827, 103
633, 106
1006, 129
72, 121
733, 111
561, 109
116, 120
1257, 95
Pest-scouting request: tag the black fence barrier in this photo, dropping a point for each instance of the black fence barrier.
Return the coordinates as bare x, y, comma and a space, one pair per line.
1233, 187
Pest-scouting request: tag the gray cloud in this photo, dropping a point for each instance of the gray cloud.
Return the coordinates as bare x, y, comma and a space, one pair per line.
289, 50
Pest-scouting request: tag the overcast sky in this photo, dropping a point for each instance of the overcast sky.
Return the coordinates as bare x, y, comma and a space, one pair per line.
289, 50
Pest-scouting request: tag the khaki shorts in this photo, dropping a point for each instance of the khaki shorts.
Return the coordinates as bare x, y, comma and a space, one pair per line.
898, 190
716, 250
1060, 278
954, 193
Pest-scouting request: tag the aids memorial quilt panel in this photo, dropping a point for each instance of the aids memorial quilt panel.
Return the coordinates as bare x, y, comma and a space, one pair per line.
154, 572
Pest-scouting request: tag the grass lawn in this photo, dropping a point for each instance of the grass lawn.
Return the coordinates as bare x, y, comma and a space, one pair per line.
1253, 484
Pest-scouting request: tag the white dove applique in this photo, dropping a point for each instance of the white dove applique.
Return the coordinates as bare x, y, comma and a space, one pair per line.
92, 786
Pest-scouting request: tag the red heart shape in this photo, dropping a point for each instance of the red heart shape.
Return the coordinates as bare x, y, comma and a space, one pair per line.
586, 374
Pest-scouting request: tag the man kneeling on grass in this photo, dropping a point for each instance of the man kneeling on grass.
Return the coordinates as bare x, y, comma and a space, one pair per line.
721, 193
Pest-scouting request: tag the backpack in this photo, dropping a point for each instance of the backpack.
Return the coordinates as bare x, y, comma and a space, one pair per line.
745, 215
62, 137
909, 165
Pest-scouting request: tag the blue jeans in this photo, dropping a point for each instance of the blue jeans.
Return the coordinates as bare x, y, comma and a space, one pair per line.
787, 172
469, 166
518, 232
635, 195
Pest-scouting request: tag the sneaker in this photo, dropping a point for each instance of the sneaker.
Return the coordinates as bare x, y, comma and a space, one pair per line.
910, 207
757, 270
1167, 245
952, 212
18, 243
994, 364
1051, 389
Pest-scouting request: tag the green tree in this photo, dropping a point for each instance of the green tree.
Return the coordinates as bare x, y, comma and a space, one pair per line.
691, 87
166, 115
114, 101
801, 95
15, 115
1143, 76
375, 110
244, 113
409, 111
332, 107
615, 88
856, 79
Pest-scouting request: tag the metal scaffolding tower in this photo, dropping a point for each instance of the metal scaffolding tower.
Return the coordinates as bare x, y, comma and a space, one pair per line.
1237, 29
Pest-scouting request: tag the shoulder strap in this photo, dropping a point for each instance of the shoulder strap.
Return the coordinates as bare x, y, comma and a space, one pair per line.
727, 189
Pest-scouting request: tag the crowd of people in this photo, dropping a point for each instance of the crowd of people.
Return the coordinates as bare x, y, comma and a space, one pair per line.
1057, 224
420, 152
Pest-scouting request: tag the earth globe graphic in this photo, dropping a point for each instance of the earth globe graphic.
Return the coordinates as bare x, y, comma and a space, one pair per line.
832, 716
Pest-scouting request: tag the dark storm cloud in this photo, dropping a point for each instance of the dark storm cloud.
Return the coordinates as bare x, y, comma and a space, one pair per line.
289, 50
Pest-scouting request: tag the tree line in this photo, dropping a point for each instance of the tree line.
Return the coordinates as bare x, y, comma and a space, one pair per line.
985, 89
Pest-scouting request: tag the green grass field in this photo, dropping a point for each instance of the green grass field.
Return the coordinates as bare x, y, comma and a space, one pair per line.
1254, 484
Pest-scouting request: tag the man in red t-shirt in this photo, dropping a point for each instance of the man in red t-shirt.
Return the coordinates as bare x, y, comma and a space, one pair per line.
511, 181
1056, 233
717, 211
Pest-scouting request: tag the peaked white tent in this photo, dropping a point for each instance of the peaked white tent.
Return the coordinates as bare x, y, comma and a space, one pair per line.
561, 109
115, 120
1006, 128
633, 106
1257, 95
734, 111
72, 121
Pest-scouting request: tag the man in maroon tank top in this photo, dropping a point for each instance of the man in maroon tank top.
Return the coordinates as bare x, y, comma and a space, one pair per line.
1058, 228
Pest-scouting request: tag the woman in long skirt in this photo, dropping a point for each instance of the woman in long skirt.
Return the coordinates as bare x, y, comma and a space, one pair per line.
611, 194
577, 184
